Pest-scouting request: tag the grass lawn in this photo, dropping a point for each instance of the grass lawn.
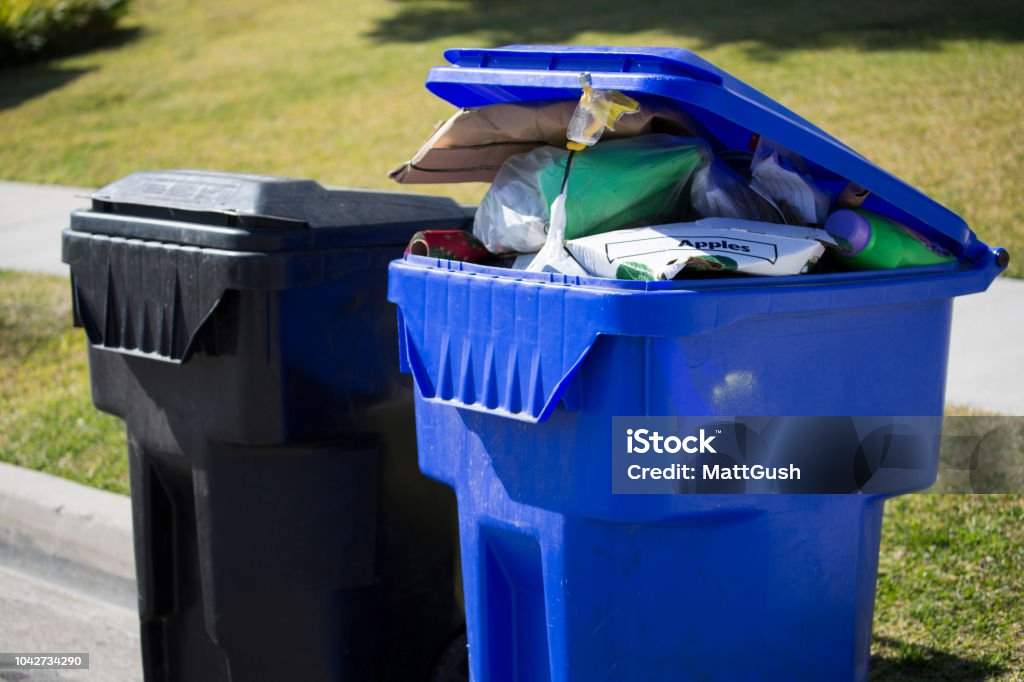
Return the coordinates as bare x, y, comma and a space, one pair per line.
47, 420
931, 90
950, 578
949, 605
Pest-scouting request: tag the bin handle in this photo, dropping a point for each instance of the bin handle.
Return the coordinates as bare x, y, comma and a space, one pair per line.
522, 395
135, 302
168, 338
490, 344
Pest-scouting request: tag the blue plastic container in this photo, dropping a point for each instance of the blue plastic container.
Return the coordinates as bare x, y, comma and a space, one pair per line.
518, 376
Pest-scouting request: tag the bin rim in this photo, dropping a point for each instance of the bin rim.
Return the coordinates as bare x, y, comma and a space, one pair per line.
981, 273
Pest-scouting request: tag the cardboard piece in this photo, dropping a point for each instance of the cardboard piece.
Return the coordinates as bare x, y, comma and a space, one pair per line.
471, 145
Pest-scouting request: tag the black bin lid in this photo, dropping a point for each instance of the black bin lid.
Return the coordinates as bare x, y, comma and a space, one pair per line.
240, 212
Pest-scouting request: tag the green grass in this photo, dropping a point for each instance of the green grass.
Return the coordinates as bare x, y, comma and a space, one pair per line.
949, 605
950, 578
930, 90
47, 420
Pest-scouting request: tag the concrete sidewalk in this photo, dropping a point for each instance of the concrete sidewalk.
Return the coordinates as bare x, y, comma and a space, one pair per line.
31, 219
986, 365
986, 349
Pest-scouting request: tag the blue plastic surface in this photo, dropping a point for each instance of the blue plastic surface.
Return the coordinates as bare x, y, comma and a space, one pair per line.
491, 340
729, 111
518, 376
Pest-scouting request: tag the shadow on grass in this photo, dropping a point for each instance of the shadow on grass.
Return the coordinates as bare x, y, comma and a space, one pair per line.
902, 662
769, 27
115, 38
22, 82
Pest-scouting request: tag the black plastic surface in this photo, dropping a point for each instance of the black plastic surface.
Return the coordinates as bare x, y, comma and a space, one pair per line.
282, 528
147, 276
258, 212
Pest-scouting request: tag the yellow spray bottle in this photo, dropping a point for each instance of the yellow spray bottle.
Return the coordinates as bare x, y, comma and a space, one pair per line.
597, 110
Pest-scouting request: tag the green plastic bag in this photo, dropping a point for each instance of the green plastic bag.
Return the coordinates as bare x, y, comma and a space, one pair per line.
622, 182
614, 184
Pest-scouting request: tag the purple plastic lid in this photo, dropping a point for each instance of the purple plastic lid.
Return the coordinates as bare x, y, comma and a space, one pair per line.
851, 226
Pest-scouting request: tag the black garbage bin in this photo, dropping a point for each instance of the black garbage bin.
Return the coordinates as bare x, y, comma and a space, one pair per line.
239, 326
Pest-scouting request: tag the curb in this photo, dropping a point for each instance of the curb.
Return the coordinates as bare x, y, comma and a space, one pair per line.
68, 521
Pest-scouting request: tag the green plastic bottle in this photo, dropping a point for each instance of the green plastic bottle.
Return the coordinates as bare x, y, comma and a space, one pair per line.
873, 242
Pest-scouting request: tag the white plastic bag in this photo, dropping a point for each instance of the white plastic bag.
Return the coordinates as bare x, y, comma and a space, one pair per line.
717, 191
513, 215
553, 257
783, 176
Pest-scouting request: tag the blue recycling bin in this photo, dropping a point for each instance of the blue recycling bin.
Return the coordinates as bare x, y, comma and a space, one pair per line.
518, 376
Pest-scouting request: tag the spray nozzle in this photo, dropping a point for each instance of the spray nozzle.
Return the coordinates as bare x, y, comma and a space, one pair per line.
597, 110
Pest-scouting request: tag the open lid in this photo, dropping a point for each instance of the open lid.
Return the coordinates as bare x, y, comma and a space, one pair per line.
728, 110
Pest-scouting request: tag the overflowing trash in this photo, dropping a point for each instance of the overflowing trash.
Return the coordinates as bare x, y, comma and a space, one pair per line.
609, 187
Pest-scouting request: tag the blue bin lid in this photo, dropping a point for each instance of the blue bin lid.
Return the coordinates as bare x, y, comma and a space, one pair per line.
728, 110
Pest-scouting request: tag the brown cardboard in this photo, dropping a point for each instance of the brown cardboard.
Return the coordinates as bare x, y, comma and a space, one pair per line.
471, 145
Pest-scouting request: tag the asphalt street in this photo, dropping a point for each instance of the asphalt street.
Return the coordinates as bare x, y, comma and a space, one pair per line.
40, 613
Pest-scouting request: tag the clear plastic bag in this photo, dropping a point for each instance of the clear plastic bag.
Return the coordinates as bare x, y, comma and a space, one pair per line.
614, 184
783, 176
718, 191
513, 215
